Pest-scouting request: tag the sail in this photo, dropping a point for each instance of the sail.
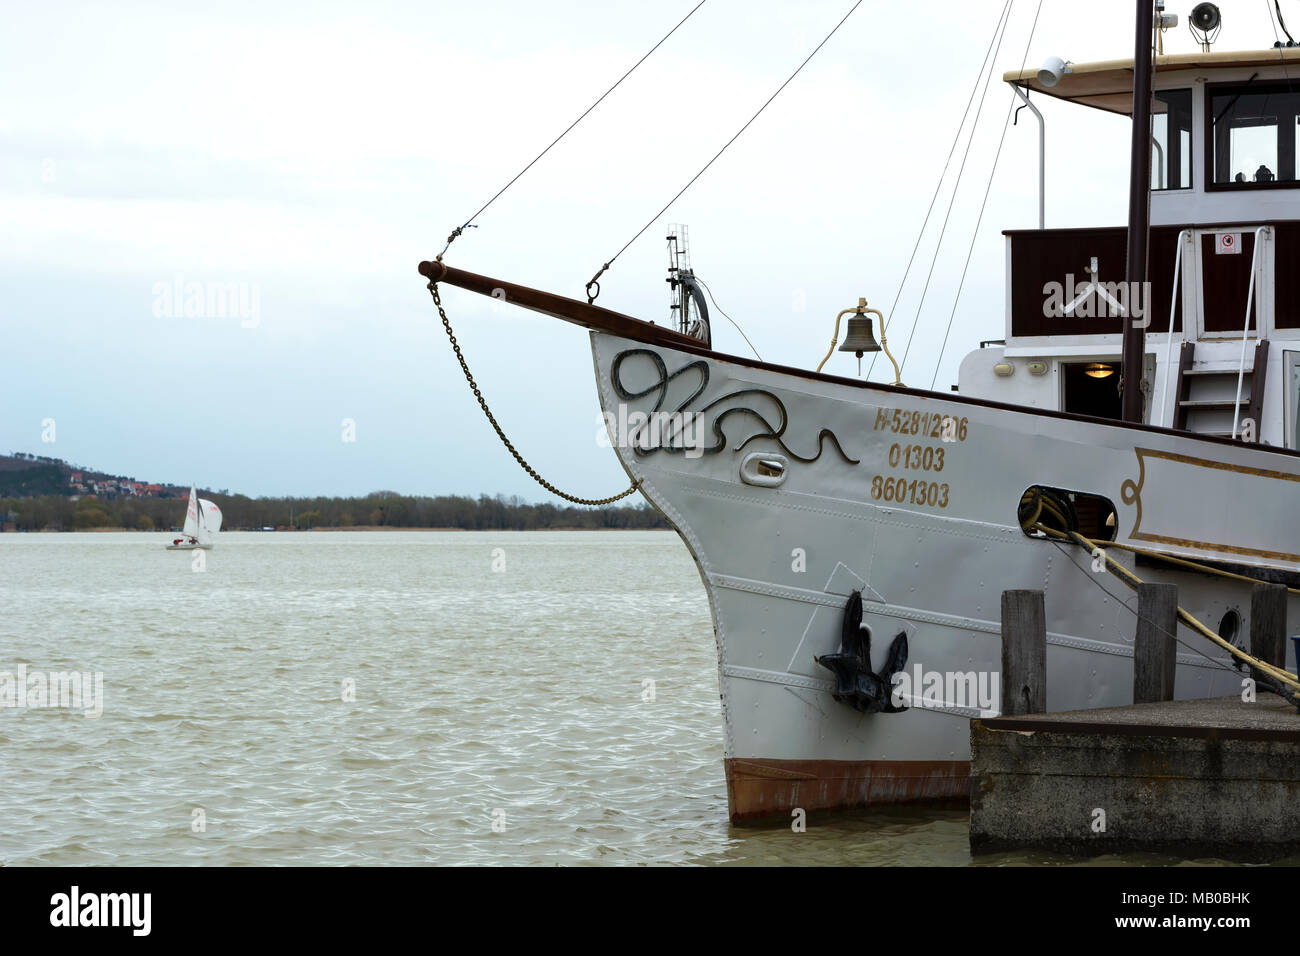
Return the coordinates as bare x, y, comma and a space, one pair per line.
209, 521
192, 523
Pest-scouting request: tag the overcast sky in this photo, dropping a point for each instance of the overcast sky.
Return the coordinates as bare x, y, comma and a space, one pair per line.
309, 156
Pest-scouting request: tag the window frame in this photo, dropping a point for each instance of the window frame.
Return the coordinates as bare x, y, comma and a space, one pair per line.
1291, 397
1211, 89
1191, 140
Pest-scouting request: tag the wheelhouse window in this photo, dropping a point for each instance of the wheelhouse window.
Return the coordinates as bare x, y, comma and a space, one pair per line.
1171, 139
1253, 129
1293, 373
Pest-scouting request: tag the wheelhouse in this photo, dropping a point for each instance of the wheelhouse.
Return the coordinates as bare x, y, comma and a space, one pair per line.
1221, 300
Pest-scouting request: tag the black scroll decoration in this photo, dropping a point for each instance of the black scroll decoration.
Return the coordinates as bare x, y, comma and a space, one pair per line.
776, 433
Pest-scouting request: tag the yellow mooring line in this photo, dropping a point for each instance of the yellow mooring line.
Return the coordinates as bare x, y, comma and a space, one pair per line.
1132, 580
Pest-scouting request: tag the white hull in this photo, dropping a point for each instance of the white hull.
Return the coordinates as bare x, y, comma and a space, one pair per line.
189, 547
933, 566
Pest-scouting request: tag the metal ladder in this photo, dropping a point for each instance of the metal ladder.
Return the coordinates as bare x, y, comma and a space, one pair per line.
1206, 398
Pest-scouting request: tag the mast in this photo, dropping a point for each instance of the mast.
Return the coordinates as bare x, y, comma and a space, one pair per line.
1139, 186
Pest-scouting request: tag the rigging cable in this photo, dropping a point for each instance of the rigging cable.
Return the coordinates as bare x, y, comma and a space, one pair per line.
591, 297
975, 232
437, 301
1286, 74
1278, 7
956, 138
961, 169
729, 318
459, 229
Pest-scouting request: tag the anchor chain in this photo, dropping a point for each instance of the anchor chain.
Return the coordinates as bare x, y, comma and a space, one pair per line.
446, 324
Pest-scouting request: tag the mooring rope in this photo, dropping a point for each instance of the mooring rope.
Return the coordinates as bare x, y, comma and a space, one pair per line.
1285, 683
446, 324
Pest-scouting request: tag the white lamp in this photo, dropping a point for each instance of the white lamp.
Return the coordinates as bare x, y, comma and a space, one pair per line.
1050, 73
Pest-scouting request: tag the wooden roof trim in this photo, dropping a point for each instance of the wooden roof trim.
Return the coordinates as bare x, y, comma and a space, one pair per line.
1114, 78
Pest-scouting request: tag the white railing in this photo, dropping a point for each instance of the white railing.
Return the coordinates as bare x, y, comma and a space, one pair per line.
1186, 234
1260, 234
1042, 157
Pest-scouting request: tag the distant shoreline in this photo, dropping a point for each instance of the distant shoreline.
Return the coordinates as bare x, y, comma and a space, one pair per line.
36, 495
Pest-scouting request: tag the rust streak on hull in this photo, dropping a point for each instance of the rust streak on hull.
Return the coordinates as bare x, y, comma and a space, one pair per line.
762, 788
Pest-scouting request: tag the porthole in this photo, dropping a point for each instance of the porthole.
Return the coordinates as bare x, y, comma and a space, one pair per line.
1230, 625
1059, 509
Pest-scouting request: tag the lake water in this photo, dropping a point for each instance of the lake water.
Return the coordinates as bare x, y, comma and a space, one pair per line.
494, 678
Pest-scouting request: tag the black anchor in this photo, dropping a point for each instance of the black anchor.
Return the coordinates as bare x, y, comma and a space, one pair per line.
855, 682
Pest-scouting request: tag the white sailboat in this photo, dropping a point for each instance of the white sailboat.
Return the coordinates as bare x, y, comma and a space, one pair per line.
202, 522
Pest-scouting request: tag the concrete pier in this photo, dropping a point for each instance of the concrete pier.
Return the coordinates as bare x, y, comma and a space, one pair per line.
1217, 777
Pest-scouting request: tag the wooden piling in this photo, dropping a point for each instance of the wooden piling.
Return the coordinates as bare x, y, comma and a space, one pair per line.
1268, 625
1155, 652
1024, 653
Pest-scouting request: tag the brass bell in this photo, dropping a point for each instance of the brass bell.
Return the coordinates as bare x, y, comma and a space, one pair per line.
860, 338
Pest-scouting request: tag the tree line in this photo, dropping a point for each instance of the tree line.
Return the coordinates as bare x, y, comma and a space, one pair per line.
379, 509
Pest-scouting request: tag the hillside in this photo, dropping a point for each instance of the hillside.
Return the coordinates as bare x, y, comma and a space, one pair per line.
24, 476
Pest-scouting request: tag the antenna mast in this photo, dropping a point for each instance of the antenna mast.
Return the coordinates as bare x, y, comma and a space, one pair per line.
688, 313
679, 271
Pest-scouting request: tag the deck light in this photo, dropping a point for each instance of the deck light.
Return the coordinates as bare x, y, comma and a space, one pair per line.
1053, 68
1205, 24
1205, 17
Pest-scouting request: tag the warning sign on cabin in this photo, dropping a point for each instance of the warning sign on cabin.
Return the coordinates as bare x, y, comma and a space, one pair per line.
1227, 243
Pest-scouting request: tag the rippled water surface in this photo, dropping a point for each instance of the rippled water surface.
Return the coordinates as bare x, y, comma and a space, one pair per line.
513, 696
